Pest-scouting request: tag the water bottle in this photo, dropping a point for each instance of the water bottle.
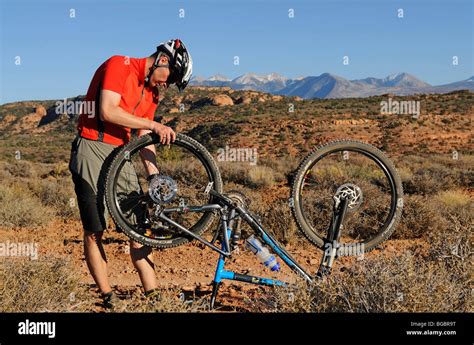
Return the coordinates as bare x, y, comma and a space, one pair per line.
262, 253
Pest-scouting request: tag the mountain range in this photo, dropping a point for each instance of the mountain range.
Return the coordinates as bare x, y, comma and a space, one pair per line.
328, 85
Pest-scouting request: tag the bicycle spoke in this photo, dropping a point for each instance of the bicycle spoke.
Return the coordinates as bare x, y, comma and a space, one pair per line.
190, 172
332, 172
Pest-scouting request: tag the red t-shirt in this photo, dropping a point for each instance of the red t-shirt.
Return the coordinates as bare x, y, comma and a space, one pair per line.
125, 76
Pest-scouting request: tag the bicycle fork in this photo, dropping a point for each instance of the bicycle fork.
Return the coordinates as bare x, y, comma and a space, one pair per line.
331, 245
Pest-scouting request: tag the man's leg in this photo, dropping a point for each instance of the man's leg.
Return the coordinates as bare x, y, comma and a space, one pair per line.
142, 258
85, 166
96, 260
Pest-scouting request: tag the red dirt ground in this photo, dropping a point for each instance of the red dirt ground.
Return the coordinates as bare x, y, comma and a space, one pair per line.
189, 268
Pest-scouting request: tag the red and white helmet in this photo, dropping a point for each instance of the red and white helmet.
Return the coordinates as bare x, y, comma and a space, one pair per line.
180, 62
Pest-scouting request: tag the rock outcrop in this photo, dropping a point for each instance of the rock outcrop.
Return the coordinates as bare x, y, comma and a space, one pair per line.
40, 111
221, 100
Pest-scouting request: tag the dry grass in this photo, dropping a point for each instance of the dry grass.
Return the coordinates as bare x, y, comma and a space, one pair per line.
454, 199
420, 217
261, 176
169, 301
53, 285
57, 194
19, 168
438, 281
20, 209
402, 284
43, 285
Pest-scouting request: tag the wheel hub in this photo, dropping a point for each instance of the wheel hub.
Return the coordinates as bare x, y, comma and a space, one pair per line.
352, 193
162, 189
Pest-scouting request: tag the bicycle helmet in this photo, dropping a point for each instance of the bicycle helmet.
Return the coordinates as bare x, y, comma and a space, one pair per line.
180, 63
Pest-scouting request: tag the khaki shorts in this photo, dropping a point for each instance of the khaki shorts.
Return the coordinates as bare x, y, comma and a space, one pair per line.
88, 165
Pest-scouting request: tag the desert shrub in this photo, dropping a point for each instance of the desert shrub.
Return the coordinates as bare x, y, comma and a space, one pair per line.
433, 174
427, 181
248, 175
4, 173
454, 199
261, 176
20, 168
43, 285
237, 173
276, 217
405, 174
214, 136
280, 221
57, 194
405, 283
60, 170
19, 209
283, 168
169, 301
451, 243
420, 217
53, 285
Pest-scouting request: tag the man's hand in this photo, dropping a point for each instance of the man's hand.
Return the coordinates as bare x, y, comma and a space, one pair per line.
166, 134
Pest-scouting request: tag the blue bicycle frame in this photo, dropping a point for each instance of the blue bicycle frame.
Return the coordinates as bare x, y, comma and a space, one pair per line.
226, 222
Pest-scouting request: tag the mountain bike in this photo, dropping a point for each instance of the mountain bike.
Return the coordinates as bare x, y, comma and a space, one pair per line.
346, 198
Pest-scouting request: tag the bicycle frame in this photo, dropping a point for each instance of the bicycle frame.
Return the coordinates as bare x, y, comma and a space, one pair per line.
228, 212
226, 218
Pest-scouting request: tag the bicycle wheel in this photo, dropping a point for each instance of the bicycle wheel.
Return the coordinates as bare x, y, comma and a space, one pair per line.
361, 173
186, 168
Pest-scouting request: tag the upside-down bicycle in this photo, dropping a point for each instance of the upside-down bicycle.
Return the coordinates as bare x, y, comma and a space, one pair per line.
345, 195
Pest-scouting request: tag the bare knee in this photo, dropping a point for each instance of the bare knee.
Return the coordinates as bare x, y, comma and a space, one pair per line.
136, 245
139, 251
92, 237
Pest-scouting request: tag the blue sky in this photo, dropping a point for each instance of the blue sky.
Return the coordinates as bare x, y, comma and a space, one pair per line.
59, 54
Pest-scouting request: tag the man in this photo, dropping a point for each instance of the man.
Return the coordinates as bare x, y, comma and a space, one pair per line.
125, 92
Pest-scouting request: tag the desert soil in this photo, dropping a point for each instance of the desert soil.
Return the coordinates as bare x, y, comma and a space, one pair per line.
188, 268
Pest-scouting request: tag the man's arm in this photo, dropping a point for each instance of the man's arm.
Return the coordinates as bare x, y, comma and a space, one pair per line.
148, 155
110, 111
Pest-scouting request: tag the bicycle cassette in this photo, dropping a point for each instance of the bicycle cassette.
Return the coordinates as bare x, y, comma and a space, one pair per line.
238, 197
162, 189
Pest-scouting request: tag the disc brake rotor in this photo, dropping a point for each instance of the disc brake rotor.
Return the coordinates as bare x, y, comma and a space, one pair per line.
352, 193
162, 189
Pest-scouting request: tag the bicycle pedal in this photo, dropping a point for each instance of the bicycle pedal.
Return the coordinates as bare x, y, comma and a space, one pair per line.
161, 231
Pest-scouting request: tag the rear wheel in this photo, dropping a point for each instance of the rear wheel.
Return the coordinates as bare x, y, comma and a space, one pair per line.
187, 170
359, 172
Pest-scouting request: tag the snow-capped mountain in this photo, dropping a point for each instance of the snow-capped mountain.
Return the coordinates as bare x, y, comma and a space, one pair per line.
394, 80
218, 77
250, 81
215, 80
467, 84
332, 86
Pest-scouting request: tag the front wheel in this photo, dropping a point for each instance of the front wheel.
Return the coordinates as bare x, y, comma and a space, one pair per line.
353, 170
187, 172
